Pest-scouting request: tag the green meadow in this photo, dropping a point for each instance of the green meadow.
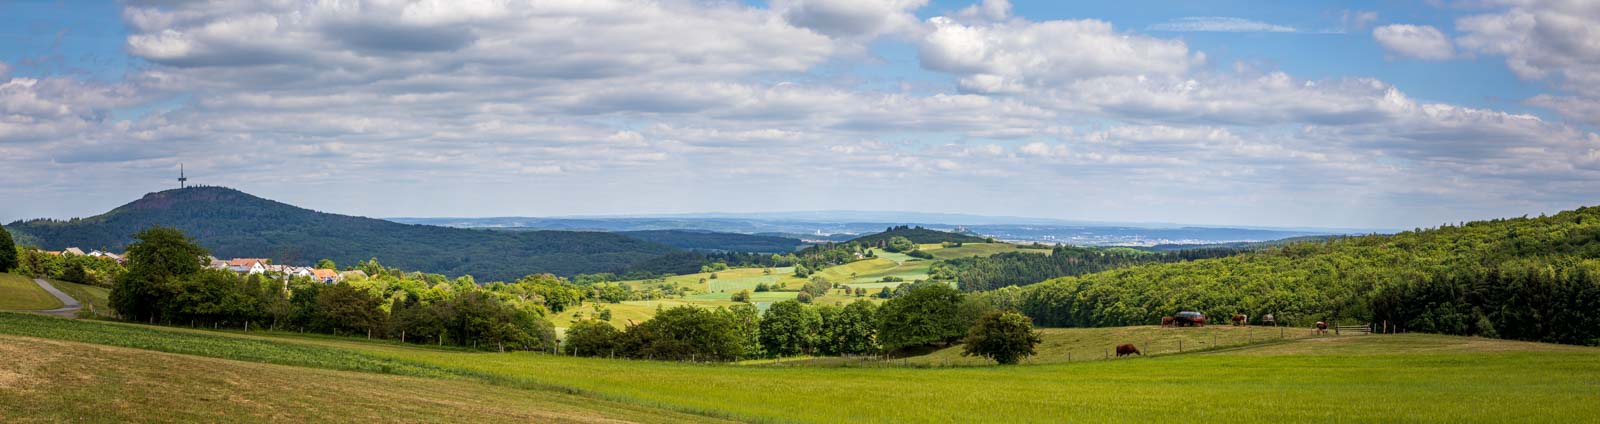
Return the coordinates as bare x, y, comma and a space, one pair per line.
1372, 378
976, 249
47, 380
20, 293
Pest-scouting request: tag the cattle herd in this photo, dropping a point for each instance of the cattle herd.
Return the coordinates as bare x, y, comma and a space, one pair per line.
1196, 319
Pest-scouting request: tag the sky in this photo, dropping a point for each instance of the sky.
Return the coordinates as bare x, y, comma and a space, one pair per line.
1364, 114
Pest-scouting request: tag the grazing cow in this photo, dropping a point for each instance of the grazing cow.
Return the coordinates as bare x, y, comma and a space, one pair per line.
1322, 327
1268, 319
1128, 349
1168, 321
1240, 319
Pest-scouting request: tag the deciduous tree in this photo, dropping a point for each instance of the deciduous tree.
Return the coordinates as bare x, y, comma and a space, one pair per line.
1005, 337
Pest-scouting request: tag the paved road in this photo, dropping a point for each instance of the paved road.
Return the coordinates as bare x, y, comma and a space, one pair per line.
69, 306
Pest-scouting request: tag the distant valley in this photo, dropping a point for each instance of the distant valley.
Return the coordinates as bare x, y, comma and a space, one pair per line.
816, 227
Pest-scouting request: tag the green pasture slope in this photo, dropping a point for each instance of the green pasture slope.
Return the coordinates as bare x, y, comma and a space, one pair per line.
20, 293
976, 249
106, 384
1378, 378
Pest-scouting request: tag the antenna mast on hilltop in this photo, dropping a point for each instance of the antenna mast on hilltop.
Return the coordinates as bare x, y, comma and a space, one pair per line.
182, 180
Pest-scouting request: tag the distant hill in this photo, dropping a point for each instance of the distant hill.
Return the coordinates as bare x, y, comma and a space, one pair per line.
1241, 245
918, 235
232, 223
715, 241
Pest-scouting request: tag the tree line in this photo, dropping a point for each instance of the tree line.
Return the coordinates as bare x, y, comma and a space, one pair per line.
1523, 278
979, 273
166, 283
929, 314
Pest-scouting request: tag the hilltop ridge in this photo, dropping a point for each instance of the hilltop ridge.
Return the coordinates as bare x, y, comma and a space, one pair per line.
230, 222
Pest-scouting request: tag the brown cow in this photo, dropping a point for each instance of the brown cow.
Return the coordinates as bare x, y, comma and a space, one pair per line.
1168, 321
1322, 327
1240, 319
1128, 349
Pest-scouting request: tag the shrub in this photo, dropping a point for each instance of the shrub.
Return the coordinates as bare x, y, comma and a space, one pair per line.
592, 338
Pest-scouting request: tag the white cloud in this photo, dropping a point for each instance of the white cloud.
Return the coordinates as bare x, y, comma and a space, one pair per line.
993, 10
1218, 24
1357, 20
672, 104
1010, 56
1581, 109
852, 18
1555, 40
1415, 41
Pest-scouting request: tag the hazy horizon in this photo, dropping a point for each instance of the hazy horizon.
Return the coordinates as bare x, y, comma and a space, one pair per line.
1256, 114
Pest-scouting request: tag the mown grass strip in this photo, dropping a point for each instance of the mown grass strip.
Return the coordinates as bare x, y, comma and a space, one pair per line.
208, 345
304, 351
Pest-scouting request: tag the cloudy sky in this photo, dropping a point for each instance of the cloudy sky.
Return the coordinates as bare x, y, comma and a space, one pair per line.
1355, 114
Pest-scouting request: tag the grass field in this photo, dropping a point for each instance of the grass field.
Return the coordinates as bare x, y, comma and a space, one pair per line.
976, 249
873, 270
1366, 385
93, 298
1089, 344
20, 293
867, 274
729, 281
55, 381
1379, 378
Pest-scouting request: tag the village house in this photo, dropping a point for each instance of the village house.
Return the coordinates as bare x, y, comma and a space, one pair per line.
248, 265
327, 276
108, 255
73, 251
288, 271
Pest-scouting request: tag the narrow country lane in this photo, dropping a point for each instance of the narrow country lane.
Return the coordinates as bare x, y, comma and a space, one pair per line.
69, 306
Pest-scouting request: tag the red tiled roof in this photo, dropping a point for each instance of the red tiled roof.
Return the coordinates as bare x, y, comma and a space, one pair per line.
245, 261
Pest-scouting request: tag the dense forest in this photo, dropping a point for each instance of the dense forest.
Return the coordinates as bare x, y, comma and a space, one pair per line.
1523, 278
231, 223
718, 242
1018, 268
917, 235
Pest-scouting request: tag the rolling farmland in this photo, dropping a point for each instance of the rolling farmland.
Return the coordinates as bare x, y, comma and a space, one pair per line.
1413, 378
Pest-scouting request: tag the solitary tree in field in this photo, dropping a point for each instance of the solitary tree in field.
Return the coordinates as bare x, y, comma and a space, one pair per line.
8, 251
741, 296
1005, 337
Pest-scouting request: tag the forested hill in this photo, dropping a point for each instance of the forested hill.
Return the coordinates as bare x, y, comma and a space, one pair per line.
232, 223
917, 235
1521, 278
715, 241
